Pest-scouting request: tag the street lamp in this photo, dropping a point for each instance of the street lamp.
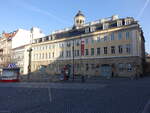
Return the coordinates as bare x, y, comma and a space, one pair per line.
29, 65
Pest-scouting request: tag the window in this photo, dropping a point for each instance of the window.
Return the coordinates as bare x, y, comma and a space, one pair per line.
86, 41
40, 56
92, 66
98, 51
127, 21
45, 55
86, 52
67, 54
119, 23
105, 26
129, 67
120, 49
46, 47
61, 54
98, 39
120, 35
105, 38
128, 48
53, 45
68, 44
53, 54
49, 46
121, 67
92, 51
92, 40
105, 50
112, 36
112, 49
128, 35
74, 52
87, 30
87, 67
78, 53
77, 42
49, 55
92, 29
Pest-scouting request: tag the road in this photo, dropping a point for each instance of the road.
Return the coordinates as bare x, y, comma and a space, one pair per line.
105, 96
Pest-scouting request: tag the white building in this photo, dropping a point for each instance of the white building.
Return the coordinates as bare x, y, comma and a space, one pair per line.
22, 39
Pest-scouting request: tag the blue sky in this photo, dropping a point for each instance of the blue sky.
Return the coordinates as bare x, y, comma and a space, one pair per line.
51, 15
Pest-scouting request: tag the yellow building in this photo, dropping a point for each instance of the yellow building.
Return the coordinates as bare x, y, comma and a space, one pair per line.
106, 47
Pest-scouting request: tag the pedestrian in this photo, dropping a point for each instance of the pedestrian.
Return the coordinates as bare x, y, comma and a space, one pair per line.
82, 79
62, 74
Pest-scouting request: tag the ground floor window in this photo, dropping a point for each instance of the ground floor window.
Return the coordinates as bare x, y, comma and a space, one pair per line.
121, 67
129, 67
87, 67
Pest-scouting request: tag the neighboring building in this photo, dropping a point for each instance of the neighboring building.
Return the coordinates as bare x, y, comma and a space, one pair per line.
107, 47
22, 39
5, 48
13, 46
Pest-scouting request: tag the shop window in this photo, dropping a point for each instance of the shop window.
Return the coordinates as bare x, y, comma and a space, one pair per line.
121, 67
129, 67
87, 67
128, 48
92, 66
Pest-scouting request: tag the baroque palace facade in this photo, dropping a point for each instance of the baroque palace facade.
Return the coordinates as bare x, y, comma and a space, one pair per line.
108, 47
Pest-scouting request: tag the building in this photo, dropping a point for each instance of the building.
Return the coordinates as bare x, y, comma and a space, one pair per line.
13, 46
5, 48
107, 47
22, 39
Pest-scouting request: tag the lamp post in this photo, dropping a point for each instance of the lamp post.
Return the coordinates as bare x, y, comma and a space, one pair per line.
29, 65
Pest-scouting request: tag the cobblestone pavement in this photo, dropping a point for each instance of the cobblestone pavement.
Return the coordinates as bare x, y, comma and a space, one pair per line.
103, 96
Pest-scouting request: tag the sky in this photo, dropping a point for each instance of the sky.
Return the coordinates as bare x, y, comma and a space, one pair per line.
51, 15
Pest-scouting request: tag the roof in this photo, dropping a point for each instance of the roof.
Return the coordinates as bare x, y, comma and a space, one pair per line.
9, 35
79, 14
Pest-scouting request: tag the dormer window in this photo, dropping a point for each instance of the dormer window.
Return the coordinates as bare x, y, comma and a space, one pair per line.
87, 30
92, 29
127, 21
105, 26
119, 23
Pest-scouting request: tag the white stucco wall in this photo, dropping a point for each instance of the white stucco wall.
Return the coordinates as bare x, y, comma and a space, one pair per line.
21, 38
25, 37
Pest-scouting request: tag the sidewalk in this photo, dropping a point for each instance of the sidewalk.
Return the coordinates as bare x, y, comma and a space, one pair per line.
77, 79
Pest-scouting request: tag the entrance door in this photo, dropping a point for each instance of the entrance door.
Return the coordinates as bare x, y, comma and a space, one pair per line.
106, 70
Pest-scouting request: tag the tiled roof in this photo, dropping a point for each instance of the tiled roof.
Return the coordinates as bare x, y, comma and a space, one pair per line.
9, 35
